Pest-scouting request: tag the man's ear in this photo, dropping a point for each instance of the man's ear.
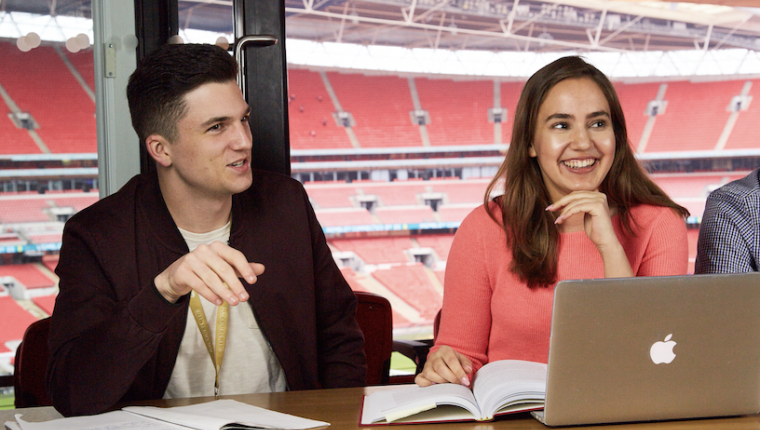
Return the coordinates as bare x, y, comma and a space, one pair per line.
160, 149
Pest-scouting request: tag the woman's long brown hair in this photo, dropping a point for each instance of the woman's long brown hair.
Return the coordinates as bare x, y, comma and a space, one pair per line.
531, 233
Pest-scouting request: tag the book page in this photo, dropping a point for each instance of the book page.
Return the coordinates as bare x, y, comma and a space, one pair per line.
407, 401
217, 414
116, 420
503, 383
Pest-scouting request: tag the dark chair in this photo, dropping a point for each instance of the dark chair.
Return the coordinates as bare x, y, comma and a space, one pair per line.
31, 366
373, 313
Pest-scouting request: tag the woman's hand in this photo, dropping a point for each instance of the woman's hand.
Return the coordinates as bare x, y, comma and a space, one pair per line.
445, 365
597, 223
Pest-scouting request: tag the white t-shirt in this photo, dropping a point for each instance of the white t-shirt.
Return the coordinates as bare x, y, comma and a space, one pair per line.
249, 365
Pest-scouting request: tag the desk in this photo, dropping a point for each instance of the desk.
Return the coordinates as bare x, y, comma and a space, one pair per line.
341, 408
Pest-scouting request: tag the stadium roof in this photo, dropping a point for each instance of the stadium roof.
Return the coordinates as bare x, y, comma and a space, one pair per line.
504, 25
499, 38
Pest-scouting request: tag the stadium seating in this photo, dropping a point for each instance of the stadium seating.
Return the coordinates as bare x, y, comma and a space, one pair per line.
634, 99
20, 210
344, 217
310, 109
46, 303
458, 110
510, 95
380, 106
688, 185
469, 191
405, 214
331, 195
394, 193
78, 203
413, 285
440, 243
380, 250
13, 323
56, 100
28, 274
15, 140
695, 117
83, 62
744, 133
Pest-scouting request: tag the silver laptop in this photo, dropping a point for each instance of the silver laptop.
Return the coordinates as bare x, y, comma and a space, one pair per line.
656, 348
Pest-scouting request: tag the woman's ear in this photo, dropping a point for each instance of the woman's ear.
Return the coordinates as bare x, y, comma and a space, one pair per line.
160, 149
532, 151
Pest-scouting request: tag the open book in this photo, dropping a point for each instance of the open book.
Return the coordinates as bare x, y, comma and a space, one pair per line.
500, 387
216, 415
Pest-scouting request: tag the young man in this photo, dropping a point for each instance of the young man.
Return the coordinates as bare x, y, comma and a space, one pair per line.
155, 277
729, 236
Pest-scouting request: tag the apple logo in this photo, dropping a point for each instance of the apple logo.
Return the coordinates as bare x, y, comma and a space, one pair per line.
662, 351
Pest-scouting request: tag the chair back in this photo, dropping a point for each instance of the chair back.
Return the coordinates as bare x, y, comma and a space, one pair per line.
31, 366
375, 318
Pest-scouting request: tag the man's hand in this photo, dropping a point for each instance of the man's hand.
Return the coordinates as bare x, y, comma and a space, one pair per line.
212, 271
445, 365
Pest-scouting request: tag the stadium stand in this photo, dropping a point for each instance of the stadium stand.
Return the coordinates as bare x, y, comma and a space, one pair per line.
50, 261
46, 303
458, 110
396, 193
405, 214
510, 95
454, 213
84, 64
57, 102
380, 105
14, 322
331, 195
634, 99
469, 191
28, 274
45, 238
20, 210
78, 202
380, 250
344, 217
695, 116
15, 140
440, 243
413, 285
310, 110
688, 185
744, 133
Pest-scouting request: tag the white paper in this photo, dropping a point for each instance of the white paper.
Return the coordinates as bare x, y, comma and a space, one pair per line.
213, 415
116, 420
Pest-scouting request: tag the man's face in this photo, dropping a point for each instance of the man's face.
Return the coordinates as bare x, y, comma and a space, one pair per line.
211, 156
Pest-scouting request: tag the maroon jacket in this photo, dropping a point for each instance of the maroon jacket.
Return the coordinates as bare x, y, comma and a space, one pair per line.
114, 338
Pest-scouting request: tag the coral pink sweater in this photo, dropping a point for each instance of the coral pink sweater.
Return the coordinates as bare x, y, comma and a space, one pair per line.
489, 314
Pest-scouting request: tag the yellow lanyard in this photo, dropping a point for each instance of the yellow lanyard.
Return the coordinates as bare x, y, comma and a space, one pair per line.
216, 354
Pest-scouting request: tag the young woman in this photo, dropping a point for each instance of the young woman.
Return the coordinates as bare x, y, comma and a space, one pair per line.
576, 205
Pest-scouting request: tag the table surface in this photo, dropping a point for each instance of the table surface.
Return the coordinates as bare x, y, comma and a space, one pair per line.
341, 408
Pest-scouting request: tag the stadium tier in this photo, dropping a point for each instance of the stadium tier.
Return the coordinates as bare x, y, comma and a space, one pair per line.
14, 322
28, 274
744, 133
40, 83
380, 107
695, 116
412, 284
310, 113
380, 250
634, 99
452, 103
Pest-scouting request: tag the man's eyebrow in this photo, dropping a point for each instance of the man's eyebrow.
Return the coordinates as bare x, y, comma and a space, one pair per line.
211, 121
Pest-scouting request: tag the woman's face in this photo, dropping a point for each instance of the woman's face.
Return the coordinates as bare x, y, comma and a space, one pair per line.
574, 141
